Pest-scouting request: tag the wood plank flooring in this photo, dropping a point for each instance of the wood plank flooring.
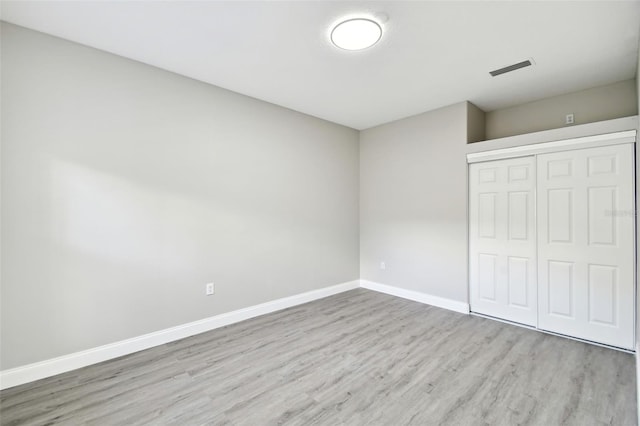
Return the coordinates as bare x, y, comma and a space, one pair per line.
357, 358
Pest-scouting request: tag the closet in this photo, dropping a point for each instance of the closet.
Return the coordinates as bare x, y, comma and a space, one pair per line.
552, 237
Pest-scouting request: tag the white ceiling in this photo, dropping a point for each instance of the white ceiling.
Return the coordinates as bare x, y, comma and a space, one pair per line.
431, 54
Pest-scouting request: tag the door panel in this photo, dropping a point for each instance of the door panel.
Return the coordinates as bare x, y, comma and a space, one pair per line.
487, 276
586, 244
602, 225
487, 215
561, 289
603, 294
518, 281
559, 212
602, 164
559, 168
502, 239
519, 202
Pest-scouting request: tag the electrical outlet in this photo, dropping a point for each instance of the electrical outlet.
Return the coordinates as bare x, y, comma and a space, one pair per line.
382, 265
568, 119
209, 289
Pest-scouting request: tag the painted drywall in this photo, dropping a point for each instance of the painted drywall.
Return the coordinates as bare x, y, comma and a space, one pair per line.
637, 250
596, 104
127, 188
638, 227
476, 124
413, 203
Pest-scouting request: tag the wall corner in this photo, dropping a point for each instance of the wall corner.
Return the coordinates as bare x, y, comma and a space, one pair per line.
476, 123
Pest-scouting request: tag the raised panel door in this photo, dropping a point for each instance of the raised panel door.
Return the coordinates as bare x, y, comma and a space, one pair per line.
502, 239
586, 225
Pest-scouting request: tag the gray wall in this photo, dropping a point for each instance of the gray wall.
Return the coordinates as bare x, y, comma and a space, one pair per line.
637, 248
638, 235
476, 123
413, 203
127, 188
596, 104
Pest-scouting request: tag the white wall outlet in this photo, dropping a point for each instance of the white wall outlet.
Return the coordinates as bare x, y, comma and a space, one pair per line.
568, 119
382, 265
209, 289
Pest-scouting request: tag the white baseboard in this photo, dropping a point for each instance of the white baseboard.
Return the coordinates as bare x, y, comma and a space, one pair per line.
51, 367
440, 302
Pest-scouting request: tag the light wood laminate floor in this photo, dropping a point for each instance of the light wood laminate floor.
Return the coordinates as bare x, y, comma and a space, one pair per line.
356, 358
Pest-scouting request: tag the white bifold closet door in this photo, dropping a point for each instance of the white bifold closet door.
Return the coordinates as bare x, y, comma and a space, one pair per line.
586, 229
502, 243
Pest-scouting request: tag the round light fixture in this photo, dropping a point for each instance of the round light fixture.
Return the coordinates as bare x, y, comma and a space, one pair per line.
356, 34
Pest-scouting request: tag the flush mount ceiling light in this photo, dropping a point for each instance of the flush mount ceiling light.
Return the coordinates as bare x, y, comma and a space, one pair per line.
356, 34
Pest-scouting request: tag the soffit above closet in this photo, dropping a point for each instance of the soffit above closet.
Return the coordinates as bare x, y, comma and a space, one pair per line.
431, 54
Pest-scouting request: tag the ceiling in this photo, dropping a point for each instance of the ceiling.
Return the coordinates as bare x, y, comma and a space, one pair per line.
431, 54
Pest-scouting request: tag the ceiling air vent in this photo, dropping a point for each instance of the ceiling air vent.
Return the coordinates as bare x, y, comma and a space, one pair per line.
510, 68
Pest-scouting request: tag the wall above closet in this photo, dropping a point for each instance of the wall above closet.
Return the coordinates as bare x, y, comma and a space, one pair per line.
592, 105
